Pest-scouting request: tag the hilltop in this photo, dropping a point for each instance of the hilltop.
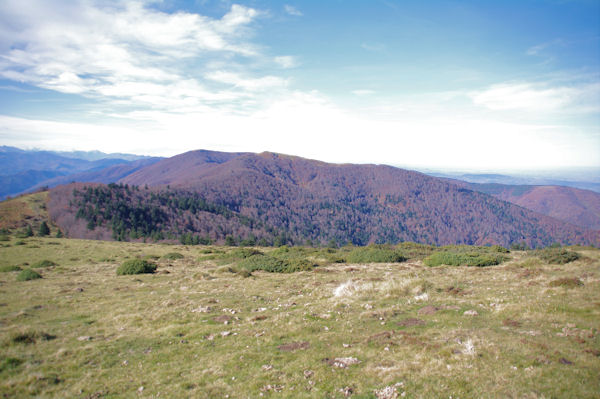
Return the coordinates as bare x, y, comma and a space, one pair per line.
280, 199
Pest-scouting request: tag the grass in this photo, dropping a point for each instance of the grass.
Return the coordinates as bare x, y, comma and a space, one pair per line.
82, 331
43, 263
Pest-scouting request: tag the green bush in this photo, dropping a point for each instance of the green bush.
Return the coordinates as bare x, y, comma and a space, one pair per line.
43, 263
414, 250
557, 256
28, 274
464, 259
9, 363
5, 269
173, 256
374, 254
274, 265
136, 266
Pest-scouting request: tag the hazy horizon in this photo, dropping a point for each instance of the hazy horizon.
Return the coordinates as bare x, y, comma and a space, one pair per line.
504, 87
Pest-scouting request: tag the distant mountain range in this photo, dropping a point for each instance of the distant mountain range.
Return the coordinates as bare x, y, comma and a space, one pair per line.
26, 170
285, 199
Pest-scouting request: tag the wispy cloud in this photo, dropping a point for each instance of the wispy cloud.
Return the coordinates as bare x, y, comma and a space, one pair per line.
539, 97
374, 47
286, 61
291, 10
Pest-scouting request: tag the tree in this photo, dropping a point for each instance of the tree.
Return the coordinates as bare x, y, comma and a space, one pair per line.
44, 229
230, 241
28, 232
59, 234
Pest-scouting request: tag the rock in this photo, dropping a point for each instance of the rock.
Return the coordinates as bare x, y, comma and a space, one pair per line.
225, 333
342, 362
471, 313
266, 367
308, 374
346, 391
202, 309
84, 338
389, 392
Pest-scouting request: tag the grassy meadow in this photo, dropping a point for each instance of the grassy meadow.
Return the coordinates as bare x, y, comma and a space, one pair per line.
209, 323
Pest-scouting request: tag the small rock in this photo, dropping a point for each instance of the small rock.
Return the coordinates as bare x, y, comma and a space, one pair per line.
84, 338
346, 391
342, 362
202, 309
308, 374
471, 313
225, 333
141, 389
389, 392
266, 367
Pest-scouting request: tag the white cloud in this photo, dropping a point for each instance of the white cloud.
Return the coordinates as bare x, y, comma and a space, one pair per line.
123, 51
292, 10
536, 98
286, 61
250, 84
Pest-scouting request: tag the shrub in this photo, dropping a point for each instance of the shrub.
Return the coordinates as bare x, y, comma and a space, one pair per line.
173, 256
5, 269
136, 266
567, 282
415, 250
43, 263
464, 259
557, 256
374, 254
28, 274
271, 264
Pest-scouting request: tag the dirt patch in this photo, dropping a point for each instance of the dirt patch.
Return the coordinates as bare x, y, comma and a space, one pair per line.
511, 323
222, 319
429, 309
259, 318
455, 291
292, 346
411, 322
383, 338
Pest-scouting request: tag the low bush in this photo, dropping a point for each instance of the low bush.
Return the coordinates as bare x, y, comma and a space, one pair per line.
43, 263
464, 259
271, 264
567, 282
11, 268
173, 256
557, 256
374, 254
136, 266
415, 250
28, 274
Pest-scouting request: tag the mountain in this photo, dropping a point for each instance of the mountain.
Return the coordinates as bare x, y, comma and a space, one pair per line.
582, 178
573, 205
280, 198
26, 170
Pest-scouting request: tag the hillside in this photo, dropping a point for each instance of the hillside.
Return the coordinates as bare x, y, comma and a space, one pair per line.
284, 199
573, 205
201, 328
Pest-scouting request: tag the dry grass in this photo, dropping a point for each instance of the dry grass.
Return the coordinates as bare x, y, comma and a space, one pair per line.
285, 335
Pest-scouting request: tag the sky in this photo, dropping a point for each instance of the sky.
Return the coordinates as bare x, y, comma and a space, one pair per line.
458, 85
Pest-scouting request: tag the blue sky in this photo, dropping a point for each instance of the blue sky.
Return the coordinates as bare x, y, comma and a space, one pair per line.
472, 85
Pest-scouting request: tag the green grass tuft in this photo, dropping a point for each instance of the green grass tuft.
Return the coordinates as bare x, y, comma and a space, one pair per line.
28, 274
43, 263
136, 266
173, 256
464, 259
